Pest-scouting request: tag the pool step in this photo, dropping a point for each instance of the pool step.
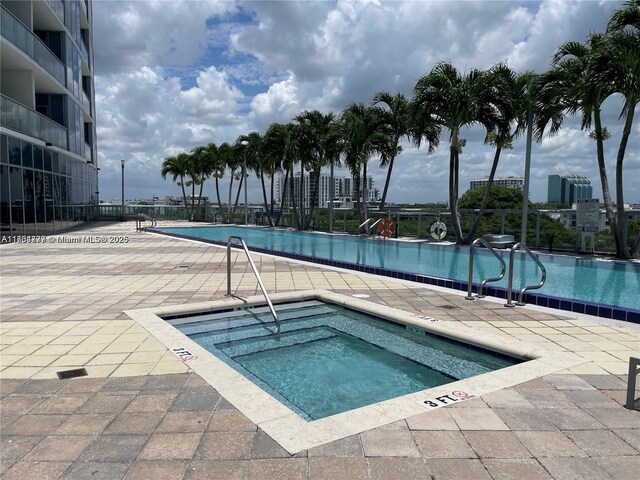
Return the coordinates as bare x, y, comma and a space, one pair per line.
212, 316
249, 320
240, 348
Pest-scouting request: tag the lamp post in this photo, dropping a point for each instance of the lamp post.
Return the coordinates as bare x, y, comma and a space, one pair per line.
244, 179
122, 166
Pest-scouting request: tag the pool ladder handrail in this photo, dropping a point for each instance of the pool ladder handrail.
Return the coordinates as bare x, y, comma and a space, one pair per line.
367, 226
524, 289
255, 271
486, 280
141, 219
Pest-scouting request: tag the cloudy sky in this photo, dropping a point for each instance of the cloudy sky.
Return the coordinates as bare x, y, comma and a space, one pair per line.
171, 75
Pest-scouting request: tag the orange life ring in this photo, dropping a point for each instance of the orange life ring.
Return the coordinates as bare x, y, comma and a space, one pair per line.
386, 228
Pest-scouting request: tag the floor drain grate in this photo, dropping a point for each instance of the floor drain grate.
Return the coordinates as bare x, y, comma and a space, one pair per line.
446, 307
183, 266
75, 373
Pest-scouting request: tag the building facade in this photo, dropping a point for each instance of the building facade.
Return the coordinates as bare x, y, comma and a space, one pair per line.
507, 182
568, 189
345, 189
48, 163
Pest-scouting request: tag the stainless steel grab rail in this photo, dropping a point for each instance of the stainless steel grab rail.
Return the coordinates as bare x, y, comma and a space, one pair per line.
524, 289
141, 218
486, 280
255, 271
368, 227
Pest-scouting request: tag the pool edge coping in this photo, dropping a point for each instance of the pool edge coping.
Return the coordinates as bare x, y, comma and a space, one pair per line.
295, 434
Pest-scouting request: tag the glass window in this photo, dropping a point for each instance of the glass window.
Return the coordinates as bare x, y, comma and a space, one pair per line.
37, 157
5, 201
17, 207
4, 154
28, 195
27, 155
15, 152
47, 160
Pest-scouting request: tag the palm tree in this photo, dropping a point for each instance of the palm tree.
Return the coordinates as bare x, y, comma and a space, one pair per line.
178, 167
582, 77
399, 119
203, 164
514, 92
252, 155
455, 101
364, 132
276, 148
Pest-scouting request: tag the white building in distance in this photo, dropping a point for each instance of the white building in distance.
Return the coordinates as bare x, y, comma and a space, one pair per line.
507, 182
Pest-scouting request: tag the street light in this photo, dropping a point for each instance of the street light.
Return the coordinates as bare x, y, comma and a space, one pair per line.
244, 179
122, 166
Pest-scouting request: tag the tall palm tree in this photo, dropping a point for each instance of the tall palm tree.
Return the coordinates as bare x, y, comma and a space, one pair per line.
399, 124
621, 68
514, 94
203, 164
364, 133
455, 101
276, 154
582, 77
178, 167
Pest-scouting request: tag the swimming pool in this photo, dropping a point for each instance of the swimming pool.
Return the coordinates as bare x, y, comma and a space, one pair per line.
329, 359
608, 289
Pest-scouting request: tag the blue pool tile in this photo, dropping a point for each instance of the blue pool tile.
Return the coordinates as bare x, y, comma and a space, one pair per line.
591, 309
565, 305
619, 314
633, 317
605, 312
578, 307
553, 302
542, 301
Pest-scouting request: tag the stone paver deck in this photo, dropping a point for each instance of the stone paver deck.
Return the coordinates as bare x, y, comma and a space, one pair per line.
142, 414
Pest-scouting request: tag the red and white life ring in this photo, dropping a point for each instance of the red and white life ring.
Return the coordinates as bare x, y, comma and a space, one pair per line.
386, 228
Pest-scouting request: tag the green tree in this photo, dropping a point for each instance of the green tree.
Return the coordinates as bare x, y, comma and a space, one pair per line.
178, 167
455, 101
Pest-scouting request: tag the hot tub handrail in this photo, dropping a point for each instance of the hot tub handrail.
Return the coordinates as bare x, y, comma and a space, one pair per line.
486, 280
141, 218
524, 289
255, 271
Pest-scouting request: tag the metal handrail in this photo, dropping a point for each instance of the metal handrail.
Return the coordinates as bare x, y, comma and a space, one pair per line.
364, 224
255, 271
375, 223
368, 227
486, 280
543, 278
141, 218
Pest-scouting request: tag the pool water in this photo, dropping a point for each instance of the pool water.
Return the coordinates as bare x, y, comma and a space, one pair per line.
328, 359
611, 283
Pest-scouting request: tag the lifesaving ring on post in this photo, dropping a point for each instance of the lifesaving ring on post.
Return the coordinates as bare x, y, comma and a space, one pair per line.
386, 228
438, 230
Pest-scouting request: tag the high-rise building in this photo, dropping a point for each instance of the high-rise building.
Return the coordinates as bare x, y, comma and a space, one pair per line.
507, 182
48, 163
343, 187
567, 189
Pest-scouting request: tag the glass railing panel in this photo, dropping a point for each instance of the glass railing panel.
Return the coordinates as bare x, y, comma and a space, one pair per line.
87, 152
23, 38
86, 104
24, 120
83, 52
58, 8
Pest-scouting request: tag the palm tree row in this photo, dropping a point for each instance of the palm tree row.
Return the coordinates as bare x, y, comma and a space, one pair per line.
445, 101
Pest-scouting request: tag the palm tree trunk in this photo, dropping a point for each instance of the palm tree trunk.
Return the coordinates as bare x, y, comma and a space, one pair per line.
621, 224
313, 197
485, 198
386, 183
295, 220
364, 191
453, 190
218, 195
184, 196
273, 201
200, 194
264, 196
235, 206
229, 207
193, 198
606, 194
301, 198
635, 250
284, 194
331, 195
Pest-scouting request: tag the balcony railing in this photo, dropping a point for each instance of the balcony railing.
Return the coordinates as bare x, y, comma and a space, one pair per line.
87, 152
86, 104
58, 8
15, 32
83, 52
22, 119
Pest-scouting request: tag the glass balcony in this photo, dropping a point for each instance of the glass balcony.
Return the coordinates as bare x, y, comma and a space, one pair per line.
58, 8
83, 52
22, 119
15, 32
87, 152
86, 104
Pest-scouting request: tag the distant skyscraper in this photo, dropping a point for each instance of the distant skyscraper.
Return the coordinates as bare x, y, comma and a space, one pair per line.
567, 189
48, 162
507, 182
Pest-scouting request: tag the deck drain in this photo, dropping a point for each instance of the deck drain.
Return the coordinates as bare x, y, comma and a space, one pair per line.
76, 372
446, 307
183, 266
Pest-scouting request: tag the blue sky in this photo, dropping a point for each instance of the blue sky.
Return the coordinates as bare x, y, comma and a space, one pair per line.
171, 75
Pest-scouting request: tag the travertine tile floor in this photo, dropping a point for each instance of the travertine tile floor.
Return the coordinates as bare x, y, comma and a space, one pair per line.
142, 414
